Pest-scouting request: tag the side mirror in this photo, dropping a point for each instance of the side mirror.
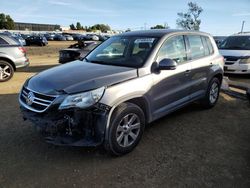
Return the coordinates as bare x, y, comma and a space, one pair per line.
167, 64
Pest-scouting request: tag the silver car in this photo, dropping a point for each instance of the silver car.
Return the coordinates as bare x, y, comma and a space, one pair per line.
128, 81
236, 51
12, 57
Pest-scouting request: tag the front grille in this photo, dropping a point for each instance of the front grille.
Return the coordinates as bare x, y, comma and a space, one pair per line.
230, 60
36, 101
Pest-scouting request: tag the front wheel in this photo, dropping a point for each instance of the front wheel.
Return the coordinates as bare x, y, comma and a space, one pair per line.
6, 71
126, 128
212, 94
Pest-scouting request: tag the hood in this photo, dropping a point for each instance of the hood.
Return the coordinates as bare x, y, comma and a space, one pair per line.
79, 76
235, 53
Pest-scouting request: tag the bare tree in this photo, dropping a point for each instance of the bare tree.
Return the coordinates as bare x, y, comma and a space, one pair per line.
189, 20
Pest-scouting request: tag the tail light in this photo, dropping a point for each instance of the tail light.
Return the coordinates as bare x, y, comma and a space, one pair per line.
23, 50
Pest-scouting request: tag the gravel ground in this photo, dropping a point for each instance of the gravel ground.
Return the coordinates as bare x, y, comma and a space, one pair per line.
189, 148
240, 78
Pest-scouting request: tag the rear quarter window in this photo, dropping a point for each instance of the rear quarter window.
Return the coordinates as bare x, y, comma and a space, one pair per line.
2, 41
210, 46
196, 46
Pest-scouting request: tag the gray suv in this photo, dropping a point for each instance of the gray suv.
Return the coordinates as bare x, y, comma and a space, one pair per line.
12, 57
125, 83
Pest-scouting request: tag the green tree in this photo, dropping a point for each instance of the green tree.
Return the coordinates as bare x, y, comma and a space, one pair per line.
159, 27
189, 20
6, 22
57, 27
9, 22
78, 26
2, 21
102, 27
72, 26
88, 29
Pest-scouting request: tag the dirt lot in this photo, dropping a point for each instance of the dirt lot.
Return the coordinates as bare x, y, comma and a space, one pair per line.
189, 148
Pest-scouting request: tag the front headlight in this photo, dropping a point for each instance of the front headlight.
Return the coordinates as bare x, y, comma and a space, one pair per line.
82, 100
245, 61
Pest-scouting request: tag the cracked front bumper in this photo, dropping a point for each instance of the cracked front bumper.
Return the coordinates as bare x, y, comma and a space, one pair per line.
74, 127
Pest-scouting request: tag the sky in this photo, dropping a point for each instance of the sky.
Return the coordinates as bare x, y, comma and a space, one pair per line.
220, 17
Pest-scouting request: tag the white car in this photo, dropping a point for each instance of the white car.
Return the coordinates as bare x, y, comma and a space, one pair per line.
68, 37
92, 37
236, 51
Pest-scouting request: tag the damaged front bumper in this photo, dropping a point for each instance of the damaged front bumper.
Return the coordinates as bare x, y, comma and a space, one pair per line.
73, 127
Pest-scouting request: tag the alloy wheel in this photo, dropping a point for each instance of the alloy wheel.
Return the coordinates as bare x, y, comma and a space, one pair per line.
214, 92
128, 130
5, 72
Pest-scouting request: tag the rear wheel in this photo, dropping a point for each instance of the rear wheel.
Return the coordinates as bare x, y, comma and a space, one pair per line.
6, 71
212, 94
126, 129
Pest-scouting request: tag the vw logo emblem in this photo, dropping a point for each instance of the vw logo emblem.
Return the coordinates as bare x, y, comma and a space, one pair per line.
30, 98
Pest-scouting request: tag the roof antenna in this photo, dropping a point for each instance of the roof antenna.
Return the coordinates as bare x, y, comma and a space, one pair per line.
242, 26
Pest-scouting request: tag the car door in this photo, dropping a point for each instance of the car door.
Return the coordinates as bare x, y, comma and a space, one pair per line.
171, 87
201, 62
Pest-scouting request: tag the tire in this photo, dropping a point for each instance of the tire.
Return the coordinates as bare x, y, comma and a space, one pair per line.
6, 71
119, 140
212, 93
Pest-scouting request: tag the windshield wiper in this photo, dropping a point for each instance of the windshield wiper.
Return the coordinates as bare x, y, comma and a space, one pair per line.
86, 59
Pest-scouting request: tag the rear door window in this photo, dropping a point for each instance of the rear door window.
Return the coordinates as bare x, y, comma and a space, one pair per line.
196, 46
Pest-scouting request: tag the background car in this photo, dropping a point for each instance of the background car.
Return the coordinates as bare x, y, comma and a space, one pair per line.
59, 37
49, 37
219, 39
91, 37
102, 37
36, 40
69, 37
76, 51
20, 39
236, 51
78, 36
25, 36
12, 57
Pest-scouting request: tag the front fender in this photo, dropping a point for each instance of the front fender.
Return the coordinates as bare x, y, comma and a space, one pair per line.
119, 93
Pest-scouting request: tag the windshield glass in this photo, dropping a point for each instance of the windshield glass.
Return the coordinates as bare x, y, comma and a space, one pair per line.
236, 43
123, 51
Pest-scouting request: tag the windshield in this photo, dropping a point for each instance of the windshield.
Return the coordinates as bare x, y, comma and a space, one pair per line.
123, 51
236, 43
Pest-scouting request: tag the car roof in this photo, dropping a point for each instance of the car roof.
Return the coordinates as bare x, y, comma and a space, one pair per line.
158, 32
242, 34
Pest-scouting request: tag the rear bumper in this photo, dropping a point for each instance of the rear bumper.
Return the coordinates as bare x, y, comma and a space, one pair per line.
22, 62
70, 127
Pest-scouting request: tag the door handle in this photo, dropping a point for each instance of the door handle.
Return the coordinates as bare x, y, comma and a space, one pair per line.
211, 64
187, 72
